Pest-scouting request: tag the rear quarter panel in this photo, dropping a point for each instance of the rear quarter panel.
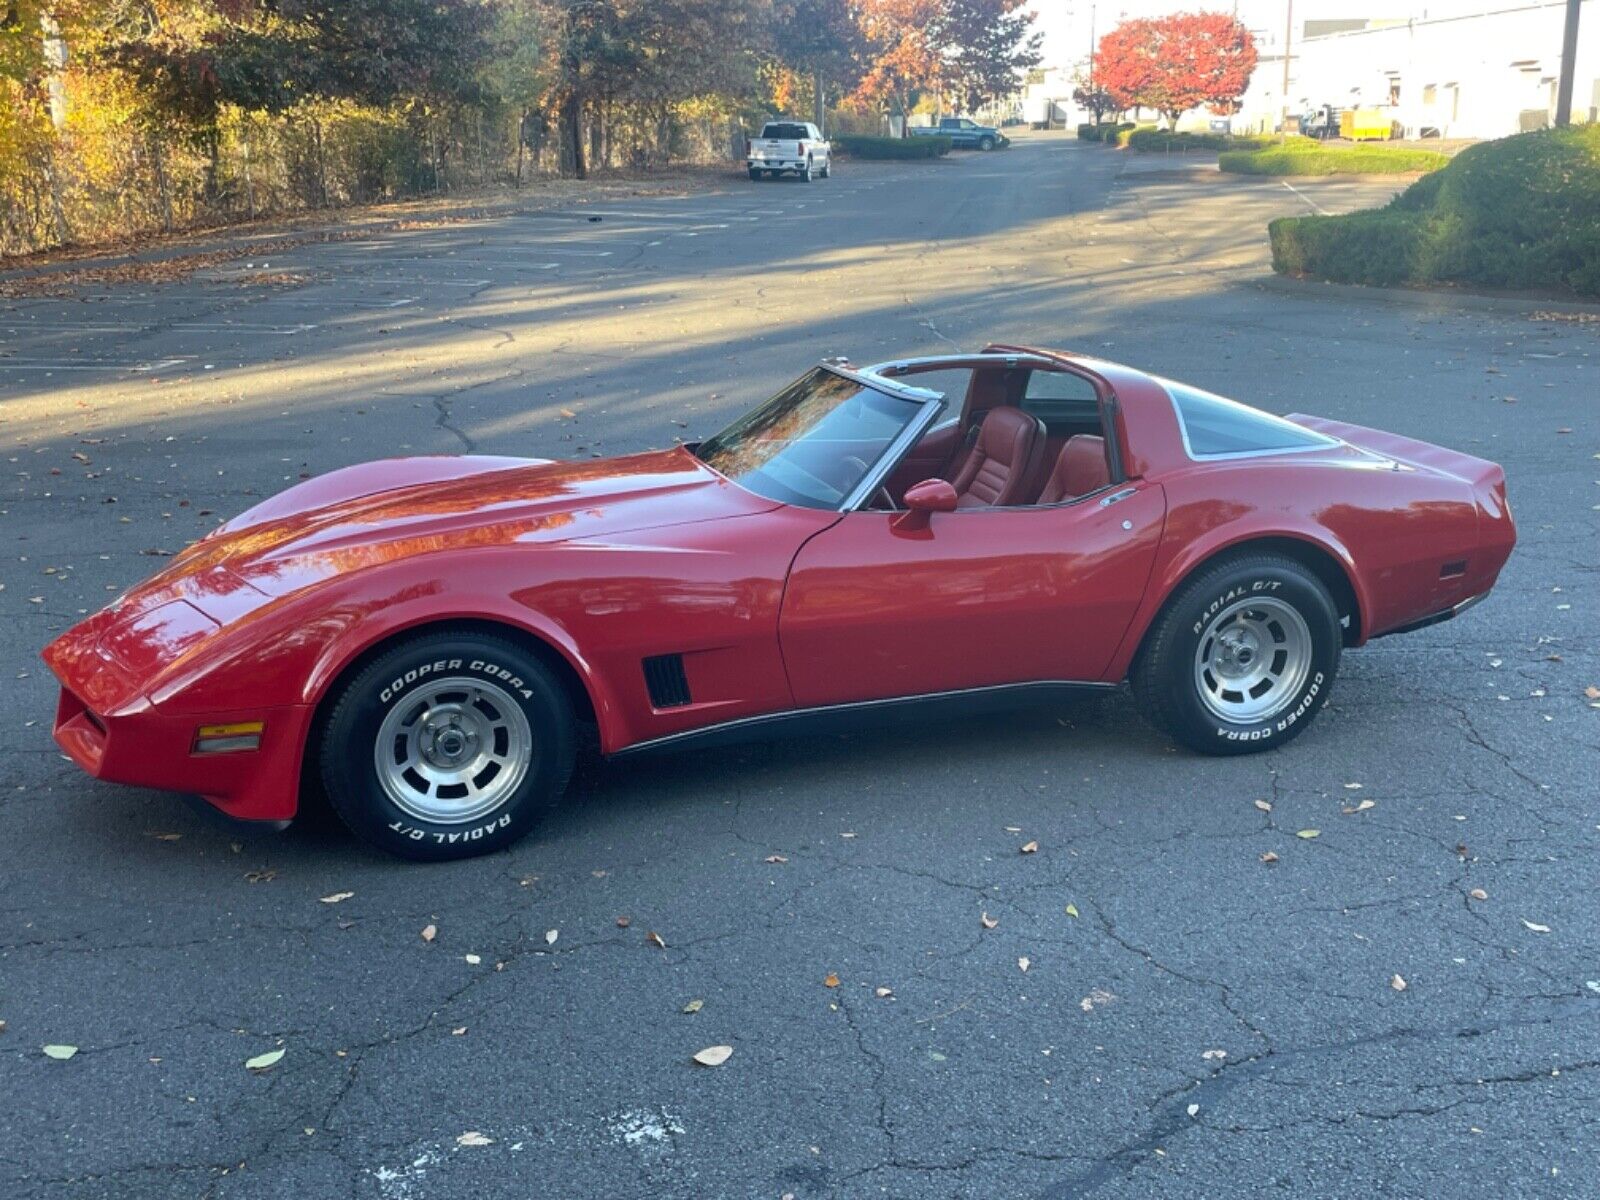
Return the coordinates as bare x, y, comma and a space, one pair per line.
1390, 526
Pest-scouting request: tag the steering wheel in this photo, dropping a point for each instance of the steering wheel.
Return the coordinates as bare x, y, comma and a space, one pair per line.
882, 498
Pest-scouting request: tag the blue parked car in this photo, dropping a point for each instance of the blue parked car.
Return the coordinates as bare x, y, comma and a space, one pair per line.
964, 134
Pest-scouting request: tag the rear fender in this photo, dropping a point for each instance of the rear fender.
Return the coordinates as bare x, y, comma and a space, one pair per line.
1173, 569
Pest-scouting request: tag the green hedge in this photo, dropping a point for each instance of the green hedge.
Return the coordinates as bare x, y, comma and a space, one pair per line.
1103, 133
1521, 212
1317, 159
933, 146
1161, 141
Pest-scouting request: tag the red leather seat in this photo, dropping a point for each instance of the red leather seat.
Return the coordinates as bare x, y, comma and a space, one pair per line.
1003, 461
1080, 469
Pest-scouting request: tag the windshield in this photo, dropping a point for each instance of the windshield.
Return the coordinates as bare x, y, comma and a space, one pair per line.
785, 132
813, 443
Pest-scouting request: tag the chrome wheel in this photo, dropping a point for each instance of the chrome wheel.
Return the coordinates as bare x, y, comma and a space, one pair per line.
1252, 660
453, 751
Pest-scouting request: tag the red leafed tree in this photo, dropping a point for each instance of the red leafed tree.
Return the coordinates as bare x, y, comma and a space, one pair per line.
1176, 63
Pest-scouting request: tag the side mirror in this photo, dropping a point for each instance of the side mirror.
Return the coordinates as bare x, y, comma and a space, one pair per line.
922, 501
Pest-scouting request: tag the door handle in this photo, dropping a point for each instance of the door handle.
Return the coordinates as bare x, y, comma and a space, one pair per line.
1108, 501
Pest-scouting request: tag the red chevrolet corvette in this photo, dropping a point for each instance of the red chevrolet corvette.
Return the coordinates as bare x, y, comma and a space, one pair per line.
422, 637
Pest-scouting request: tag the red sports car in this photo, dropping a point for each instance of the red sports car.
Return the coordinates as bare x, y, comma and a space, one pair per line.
423, 637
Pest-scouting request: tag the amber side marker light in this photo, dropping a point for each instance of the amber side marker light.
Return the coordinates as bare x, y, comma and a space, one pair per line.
228, 739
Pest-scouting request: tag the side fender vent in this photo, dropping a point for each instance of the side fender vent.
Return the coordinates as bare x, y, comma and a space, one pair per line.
664, 677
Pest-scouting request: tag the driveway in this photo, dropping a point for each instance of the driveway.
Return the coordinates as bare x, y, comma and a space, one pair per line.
1406, 1004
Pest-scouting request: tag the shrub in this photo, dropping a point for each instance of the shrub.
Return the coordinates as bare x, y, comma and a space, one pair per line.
1161, 141
1104, 132
1314, 159
933, 146
1521, 212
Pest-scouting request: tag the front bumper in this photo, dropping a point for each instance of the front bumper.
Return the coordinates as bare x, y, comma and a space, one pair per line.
142, 747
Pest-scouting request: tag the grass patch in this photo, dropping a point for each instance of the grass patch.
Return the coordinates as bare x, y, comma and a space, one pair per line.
886, 147
1303, 156
1522, 212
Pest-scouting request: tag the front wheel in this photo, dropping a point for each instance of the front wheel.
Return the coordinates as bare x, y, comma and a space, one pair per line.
1242, 658
755, 174
986, 143
447, 746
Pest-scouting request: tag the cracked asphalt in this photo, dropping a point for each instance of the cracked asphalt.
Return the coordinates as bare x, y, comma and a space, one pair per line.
1192, 1020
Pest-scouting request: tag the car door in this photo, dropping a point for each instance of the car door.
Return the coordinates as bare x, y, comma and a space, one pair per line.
977, 598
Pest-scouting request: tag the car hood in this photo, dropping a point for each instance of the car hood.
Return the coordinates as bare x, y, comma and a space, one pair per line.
378, 512
366, 516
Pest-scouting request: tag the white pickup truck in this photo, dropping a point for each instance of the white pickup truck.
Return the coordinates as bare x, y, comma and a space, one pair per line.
796, 146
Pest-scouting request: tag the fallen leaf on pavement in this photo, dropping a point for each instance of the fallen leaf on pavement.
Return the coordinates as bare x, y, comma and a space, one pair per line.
1264, 805
1072, 911
656, 940
1309, 833
550, 936
624, 922
473, 960
429, 932
776, 858
714, 1056
60, 1053
831, 981
988, 921
337, 897
262, 1061
1535, 928
1030, 847
1214, 1055
1362, 807
883, 993
694, 1006
474, 1138
1024, 962
1398, 983
1269, 857
1478, 894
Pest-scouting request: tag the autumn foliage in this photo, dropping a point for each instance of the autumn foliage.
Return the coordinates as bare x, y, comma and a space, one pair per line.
1176, 63
121, 117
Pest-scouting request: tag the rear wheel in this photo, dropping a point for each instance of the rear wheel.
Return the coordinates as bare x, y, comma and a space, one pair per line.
805, 171
1242, 658
755, 173
827, 168
447, 746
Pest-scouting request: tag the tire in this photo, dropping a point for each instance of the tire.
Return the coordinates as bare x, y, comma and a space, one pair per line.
805, 171
755, 174
827, 168
1204, 675
986, 143
453, 788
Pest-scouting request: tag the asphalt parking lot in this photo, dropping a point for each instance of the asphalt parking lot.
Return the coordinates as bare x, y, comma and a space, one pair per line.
1406, 1004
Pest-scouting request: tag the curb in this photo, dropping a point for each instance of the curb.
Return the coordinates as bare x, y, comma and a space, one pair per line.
1423, 298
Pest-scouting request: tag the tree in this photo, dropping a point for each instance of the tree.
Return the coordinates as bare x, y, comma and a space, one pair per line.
985, 46
820, 39
1176, 63
974, 49
903, 58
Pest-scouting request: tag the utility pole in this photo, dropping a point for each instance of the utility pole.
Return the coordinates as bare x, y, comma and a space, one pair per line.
1288, 45
1569, 64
